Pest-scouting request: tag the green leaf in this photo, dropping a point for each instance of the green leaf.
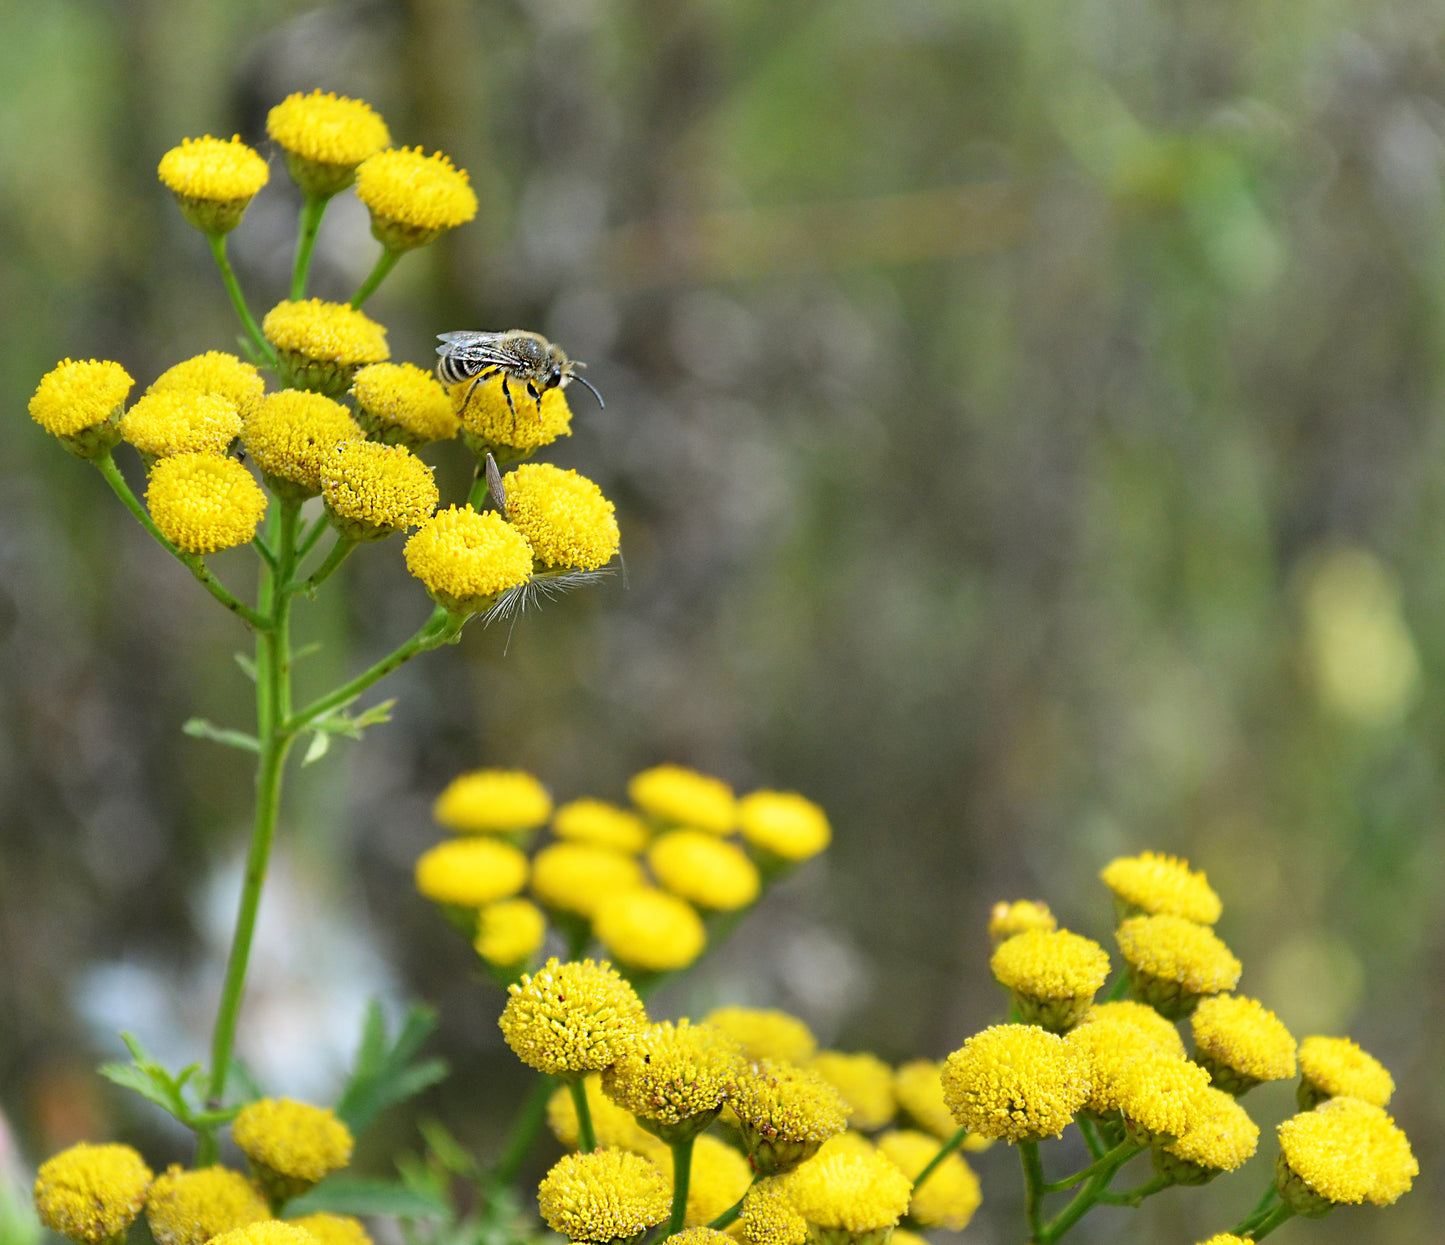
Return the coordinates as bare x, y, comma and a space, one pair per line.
377, 714
151, 1081
357, 1195
319, 747
199, 728
449, 1152
384, 1073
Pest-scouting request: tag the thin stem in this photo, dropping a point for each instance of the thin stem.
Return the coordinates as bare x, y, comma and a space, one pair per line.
105, 464
339, 552
681, 1178
313, 207
586, 1138
524, 1131
730, 1215
1090, 1135
1137, 1194
1261, 1207
313, 534
1033, 1188
947, 1148
1280, 1214
238, 299
1118, 989
1124, 1150
433, 633
1087, 1197
384, 265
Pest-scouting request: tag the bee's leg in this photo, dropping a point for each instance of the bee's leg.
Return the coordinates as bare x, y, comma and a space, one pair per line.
536, 397
485, 374
507, 393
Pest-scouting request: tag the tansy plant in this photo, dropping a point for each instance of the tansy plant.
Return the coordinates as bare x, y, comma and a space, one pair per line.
735, 1126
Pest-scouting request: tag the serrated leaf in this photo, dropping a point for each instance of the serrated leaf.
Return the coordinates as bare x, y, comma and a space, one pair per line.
199, 728
247, 664
356, 1195
138, 1080
384, 1073
319, 747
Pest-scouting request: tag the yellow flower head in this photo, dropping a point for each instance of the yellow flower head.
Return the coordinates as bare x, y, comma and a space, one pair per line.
217, 373
466, 560
850, 1198
320, 345
951, 1193
81, 404
291, 434
1161, 1032
469, 873
1241, 1043
399, 404
768, 1216
1052, 974
291, 1145
510, 932
670, 1075
601, 824
1226, 1238
1221, 1138
765, 1033
267, 1232
571, 1018
510, 432
204, 502
91, 1194
786, 1113
1174, 962
1161, 1098
413, 197
492, 801
190, 1207
1334, 1067
611, 1124
673, 795
1015, 1083
720, 1176
1344, 1151
175, 421
1111, 1038
918, 1086
784, 824
649, 929
373, 490
1150, 884
704, 869
1021, 916
213, 179
325, 137
563, 515
608, 1195
576, 877
865, 1082
704, 1235
334, 1229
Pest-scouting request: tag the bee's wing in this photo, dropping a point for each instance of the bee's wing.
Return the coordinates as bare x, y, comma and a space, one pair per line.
466, 340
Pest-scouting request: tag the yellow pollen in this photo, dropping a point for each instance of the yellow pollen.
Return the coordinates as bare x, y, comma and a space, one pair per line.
859, 1193
90, 1193
563, 515
1244, 1036
466, 559
190, 1207
603, 1196
291, 434
1021, 916
1015, 1082
204, 502
571, 1018
331, 332
329, 129
865, 1082
217, 170
217, 373
1336, 1067
489, 422
293, 1139
1051, 964
400, 402
175, 421
415, 190
669, 1073
74, 397
334, 1229
373, 490
1151, 883
1348, 1151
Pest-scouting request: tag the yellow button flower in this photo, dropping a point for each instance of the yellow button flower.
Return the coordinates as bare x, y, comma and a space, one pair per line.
784, 824
865, 1082
509, 432
1007, 919
413, 197
334, 1229
563, 515
291, 1145
291, 434
1344, 1151
1240, 1043
1174, 962
268, 1232
320, 345
1332, 1067
850, 1199
204, 502
175, 421
91, 1194
399, 404
1015, 1083
768, 1216
1220, 1139
1161, 1098
601, 824
492, 801
576, 877
918, 1086
217, 373
704, 869
510, 933
213, 180
373, 490
468, 873
673, 795
766, 1033
786, 1113
466, 560
1161, 1032
81, 404
649, 930
325, 137
674, 1077
190, 1207
1053, 975
573, 1018
1151, 883
605, 1196
951, 1193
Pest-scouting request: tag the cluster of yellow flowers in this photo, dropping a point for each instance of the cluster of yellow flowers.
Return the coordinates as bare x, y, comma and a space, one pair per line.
306, 440
642, 881
91, 1194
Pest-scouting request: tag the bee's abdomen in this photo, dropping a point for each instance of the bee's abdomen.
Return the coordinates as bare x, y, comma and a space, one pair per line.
453, 369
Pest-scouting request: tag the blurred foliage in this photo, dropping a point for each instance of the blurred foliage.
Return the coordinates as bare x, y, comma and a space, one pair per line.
1026, 425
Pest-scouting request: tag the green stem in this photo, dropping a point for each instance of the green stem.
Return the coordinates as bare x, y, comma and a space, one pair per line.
313, 207
238, 299
729, 1216
436, 631
339, 552
524, 1131
586, 1138
1033, 1188
1087, 1197
1118, 990
681, 1178
1261, 1207
384, 265
1277, 1216
947, 1148
1090, 1135
1136, 1195
1109, 1161
105, 464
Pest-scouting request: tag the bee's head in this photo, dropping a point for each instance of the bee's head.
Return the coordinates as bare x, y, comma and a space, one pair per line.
558, 367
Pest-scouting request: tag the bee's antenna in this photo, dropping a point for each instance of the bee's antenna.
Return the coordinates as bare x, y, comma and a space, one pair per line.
590, 387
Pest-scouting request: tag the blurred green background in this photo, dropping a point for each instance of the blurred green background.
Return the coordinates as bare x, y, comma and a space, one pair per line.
1025, 425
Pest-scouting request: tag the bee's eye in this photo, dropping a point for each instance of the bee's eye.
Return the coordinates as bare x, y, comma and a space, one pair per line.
554, 377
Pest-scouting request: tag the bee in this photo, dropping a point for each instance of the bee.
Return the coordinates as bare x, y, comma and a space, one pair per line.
516, 355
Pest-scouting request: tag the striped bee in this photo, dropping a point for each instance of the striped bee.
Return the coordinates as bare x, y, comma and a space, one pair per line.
516, 355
